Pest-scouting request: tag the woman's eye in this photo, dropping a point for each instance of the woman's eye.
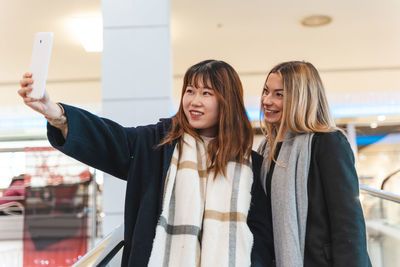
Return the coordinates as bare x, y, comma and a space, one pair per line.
207, 93
265, 92
279, 94
189, 91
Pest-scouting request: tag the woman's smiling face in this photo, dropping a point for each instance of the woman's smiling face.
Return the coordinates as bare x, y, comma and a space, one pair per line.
201, 108
272, 99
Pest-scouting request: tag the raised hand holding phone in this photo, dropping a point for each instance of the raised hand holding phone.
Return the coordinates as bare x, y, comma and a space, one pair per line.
43, 105
52, 111
40, 63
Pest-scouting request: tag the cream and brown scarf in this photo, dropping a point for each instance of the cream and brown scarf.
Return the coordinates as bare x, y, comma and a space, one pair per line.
203, 220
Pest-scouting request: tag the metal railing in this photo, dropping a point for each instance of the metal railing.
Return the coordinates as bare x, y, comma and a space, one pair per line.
381, 212
380, 193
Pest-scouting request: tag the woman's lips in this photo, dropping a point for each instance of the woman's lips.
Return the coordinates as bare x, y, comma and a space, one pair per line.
195, 113
271, 111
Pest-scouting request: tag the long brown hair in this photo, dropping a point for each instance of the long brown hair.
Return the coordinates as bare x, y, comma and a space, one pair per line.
234, 134
305, 106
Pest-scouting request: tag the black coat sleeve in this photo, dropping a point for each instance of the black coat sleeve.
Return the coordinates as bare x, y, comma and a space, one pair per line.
260, 220
339, 179
97, 142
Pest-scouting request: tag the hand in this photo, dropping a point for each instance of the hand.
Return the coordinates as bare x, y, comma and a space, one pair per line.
44, 105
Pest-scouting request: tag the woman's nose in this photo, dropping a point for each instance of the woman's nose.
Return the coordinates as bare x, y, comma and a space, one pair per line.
196, 101
266, 100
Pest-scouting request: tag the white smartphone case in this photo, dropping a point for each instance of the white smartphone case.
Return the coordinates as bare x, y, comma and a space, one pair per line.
40, 62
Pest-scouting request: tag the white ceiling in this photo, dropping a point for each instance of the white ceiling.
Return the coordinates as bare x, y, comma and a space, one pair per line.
21, 19
357, 52
259, 33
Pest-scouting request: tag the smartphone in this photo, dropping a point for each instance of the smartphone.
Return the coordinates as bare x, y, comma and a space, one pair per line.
40, 62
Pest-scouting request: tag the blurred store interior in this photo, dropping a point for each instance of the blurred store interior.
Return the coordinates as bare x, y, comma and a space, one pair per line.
354, 44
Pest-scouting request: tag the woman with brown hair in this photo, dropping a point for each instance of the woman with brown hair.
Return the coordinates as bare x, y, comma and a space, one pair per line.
193, 193
308, 172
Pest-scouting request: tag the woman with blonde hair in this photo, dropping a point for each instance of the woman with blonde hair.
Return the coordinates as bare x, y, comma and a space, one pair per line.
309, 174
193, 195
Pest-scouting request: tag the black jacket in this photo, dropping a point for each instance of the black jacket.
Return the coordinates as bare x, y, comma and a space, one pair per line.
132, 154
335, 231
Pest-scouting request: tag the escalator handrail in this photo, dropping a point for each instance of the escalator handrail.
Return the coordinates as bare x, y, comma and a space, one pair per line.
380, 193
104, 250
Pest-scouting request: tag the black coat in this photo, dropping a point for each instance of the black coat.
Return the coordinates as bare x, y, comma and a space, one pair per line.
335, 231
132, 154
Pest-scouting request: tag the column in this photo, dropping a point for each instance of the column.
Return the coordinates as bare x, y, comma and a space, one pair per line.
136, 77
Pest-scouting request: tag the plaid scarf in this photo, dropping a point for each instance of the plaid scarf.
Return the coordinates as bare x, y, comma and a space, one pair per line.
204, 220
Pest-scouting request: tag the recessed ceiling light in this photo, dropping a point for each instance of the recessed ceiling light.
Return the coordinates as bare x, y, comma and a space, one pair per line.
316, 20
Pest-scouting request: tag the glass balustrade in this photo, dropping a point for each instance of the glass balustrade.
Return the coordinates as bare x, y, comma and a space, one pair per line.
382, 217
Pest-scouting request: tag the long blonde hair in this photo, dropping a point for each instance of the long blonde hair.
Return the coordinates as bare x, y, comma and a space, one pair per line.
305, 106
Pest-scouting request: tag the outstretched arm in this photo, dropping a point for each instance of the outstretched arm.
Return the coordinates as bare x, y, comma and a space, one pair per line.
97, 142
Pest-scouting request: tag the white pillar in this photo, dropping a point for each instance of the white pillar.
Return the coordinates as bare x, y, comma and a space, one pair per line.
136, 77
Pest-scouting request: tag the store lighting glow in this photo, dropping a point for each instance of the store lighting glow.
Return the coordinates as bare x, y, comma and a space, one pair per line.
373, 125
338, 111
381, 118
89, 31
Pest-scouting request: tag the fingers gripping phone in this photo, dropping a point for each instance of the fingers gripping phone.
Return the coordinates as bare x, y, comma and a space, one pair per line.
40, 62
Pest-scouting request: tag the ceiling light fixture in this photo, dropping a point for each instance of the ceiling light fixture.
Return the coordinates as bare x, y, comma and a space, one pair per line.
316, 20
89, 31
